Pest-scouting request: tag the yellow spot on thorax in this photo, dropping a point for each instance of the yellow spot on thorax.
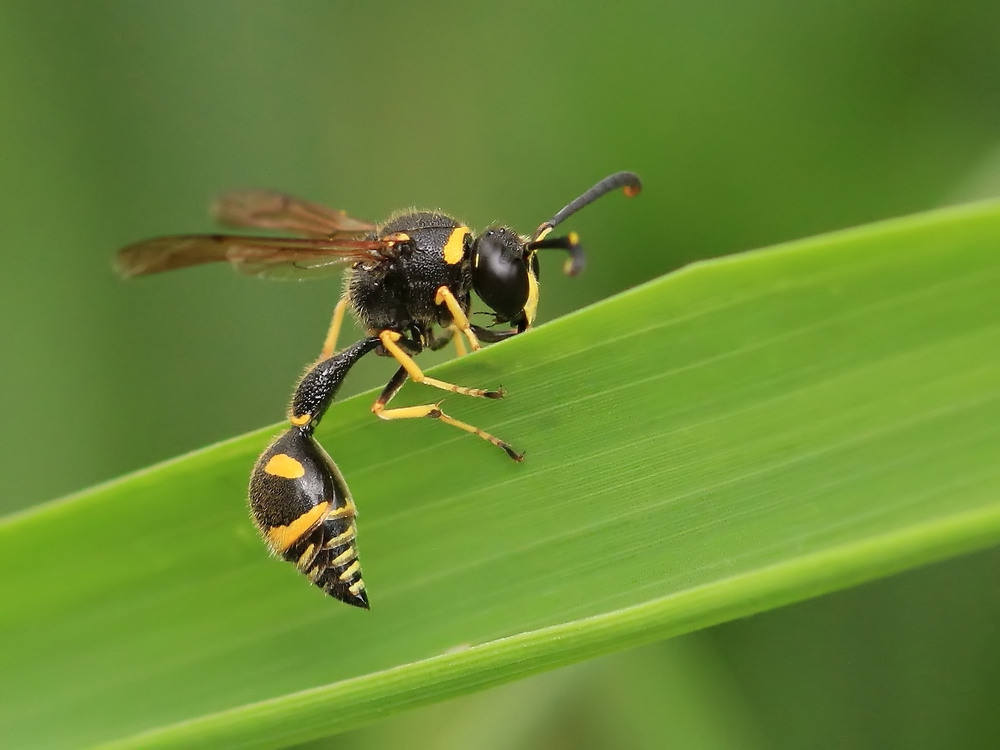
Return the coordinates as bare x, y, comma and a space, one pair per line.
396, 238
300, 419
284, 466
282, 537
454, 248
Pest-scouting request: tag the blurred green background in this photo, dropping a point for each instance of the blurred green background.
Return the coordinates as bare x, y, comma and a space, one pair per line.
750, 123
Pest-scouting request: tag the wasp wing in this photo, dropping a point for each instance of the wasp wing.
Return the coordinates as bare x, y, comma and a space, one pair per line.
281, 257
267, 209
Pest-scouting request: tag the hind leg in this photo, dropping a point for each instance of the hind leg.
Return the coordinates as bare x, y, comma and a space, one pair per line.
432, 411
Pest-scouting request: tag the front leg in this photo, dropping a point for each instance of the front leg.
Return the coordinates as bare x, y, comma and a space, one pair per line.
491, 337
459, 319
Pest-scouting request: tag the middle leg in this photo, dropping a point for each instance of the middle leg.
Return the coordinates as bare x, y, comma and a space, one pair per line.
390, 339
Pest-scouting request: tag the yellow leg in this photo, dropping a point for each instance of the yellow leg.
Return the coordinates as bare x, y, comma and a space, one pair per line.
330, 343
389, 339
432, 411
458, 316
460, 350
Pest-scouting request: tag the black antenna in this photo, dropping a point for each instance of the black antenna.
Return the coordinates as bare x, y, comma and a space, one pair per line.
627, 180
630, 184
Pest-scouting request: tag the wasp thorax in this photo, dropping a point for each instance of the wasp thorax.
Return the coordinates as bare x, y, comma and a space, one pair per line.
499, 272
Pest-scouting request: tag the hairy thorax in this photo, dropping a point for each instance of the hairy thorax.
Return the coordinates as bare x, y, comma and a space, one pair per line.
398, 293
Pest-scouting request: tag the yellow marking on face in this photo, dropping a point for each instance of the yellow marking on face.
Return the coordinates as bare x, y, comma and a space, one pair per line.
353, 568
349, 554
284, 466
531, 305
357, 587
574, 238
454, 248
282, 537
300, 419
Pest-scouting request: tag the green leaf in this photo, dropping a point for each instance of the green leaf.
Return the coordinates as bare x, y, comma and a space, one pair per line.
741, 434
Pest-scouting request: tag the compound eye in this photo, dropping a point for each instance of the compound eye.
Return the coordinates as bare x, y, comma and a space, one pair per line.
499, 273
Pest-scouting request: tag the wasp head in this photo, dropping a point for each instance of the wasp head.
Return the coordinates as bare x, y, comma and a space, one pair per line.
505, 275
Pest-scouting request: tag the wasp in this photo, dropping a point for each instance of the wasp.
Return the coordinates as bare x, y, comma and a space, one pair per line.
409, 282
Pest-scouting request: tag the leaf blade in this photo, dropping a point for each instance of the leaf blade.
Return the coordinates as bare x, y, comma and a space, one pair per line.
733, 437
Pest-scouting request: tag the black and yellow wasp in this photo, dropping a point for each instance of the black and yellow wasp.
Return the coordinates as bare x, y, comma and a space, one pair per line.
407, 279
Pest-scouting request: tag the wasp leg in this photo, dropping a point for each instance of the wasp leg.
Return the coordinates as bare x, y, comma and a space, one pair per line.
389, 341
435, 342
330, 342
491, 336
458, 316
432, 411
460, 350
439, 342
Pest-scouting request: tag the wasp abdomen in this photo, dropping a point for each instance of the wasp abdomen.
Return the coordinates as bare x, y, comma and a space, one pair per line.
329, 558
305, 512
